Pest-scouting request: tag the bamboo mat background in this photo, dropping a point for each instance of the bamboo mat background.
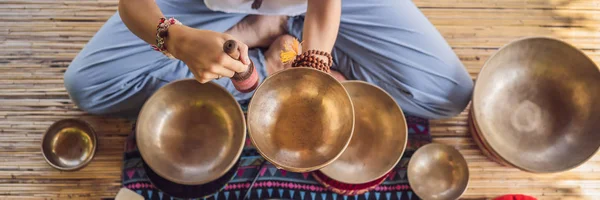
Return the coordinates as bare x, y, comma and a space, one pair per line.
38, 39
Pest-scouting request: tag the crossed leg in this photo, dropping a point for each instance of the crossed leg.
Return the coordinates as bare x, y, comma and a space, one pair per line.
388, 43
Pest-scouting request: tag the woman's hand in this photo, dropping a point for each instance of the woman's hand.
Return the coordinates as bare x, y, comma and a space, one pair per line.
202, 51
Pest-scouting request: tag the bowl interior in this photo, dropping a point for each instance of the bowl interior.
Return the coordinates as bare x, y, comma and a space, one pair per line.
534, 103
379, 138
69, 144
438, 171
191, 133
300, 119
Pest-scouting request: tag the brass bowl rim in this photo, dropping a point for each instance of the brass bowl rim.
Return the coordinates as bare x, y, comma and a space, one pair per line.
485, 143
468, 176
475, 92
204, 186
405, 133
300, 169
486, 146
92, 134
214, 175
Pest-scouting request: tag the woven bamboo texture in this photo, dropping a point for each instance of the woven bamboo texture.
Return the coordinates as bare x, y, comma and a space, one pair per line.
38, 39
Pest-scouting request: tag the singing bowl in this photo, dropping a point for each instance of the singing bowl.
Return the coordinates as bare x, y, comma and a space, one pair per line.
300, 119
535, 104
69, 144
379, 137
200, 191
484, 147
438, 172
191, 133
344, 188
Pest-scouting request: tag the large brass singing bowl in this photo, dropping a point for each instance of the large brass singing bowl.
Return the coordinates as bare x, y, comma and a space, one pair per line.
379, 138
536, 105
438, 172
483, 146
191, 133
300, 119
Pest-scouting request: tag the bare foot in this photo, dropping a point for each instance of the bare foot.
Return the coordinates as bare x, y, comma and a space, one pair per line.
273, 54
259, 31
337, 75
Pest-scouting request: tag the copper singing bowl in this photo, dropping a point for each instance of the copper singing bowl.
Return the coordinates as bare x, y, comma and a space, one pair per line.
379, 138
191, 133
300, 119
69, 144
536, 105
438, 172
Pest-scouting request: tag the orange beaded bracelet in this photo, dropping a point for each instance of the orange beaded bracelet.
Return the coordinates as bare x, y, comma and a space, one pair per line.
313, 61
310, 58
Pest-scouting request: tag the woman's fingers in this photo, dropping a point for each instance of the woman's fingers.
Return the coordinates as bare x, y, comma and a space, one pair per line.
233, 64
240, 62
211, 73
207, 77
243, 48
220, 70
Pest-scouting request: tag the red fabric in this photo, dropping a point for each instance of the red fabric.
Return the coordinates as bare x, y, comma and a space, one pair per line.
515, 197
344, 188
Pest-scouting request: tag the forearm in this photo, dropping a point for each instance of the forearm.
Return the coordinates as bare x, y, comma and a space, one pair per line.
141, 17
321, 24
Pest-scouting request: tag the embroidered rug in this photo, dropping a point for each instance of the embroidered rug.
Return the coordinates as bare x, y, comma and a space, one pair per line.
274, 183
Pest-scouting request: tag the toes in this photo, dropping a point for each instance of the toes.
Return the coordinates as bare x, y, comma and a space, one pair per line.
281, 41
272, 55
337, 75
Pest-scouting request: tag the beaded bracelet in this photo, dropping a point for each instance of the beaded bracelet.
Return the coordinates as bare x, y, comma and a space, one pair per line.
310, 59
162, 32
321, 53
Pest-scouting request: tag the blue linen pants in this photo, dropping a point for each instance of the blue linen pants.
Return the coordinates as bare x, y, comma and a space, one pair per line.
389, 43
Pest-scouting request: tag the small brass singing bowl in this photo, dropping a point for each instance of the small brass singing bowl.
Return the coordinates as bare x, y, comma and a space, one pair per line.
69, 144
300, 119
438, 172
191, 133
379, 139
535, 104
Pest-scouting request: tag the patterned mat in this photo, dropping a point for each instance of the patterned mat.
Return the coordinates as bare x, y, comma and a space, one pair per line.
279, 184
